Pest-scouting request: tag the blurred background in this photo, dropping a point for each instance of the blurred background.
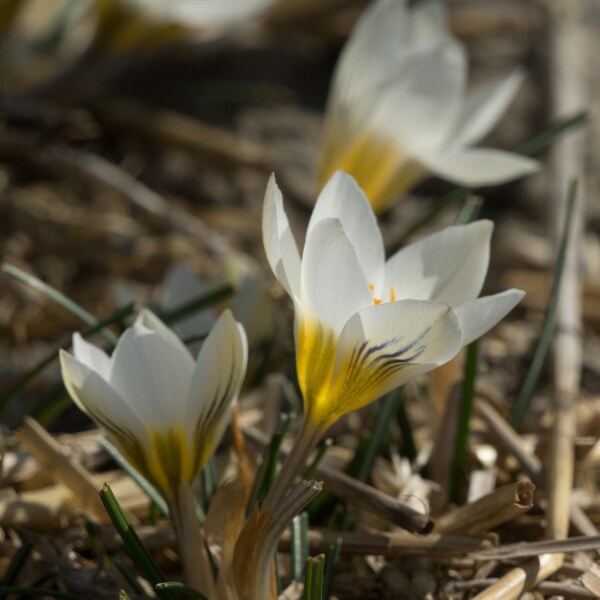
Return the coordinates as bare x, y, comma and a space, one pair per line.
135, 136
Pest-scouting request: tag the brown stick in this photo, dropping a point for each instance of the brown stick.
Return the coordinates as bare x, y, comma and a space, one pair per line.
522, 578
393, 544
566, 589
73, 475
484, 514
184, 132
567, 52
359, 494
509, 440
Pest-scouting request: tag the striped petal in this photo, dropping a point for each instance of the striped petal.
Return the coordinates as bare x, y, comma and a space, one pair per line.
216, 382
384, 346
280, 245
449, 266
100, 401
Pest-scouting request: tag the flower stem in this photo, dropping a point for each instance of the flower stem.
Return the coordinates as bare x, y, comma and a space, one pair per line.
307, 440
192, 548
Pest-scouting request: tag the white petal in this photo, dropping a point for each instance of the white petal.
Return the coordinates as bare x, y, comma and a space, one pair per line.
280, 245
429, 22
149, 320
92, 356
479, 316
480, 166
484, 107
216, 382
449, 266
419, 104
98, 399
384, 346
343, 199
333, 284
379, 39
152, 375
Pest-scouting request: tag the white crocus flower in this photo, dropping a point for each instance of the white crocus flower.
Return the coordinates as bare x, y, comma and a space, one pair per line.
399, 109
164, 410
365, 326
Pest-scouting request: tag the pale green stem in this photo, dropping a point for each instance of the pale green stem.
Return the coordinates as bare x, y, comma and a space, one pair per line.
306, 442
192, 548
276, 523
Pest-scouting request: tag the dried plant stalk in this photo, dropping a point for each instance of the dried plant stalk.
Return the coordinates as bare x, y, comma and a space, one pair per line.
509, 440
522, 578
357, 543
566, 589
359, 494
257, 543
484, 514
567, 52
74, 476
171, 128
394, 544
526, 550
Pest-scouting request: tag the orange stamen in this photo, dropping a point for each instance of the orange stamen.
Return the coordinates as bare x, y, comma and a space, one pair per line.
392, 295
375, 300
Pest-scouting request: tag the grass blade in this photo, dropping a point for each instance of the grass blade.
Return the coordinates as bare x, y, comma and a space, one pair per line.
142, 558
299, 545
465, 411
313, 582
408, 447
148, 489
331, 562
321, 452
209, 479
180, 589
17, 563
22, 383
387, 409
58, 297
268, 468
196, 304
540, 141
526, 390
450, 199
128, 574
470, 210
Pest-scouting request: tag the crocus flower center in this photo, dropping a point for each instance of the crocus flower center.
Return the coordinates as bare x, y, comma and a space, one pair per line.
378, 300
